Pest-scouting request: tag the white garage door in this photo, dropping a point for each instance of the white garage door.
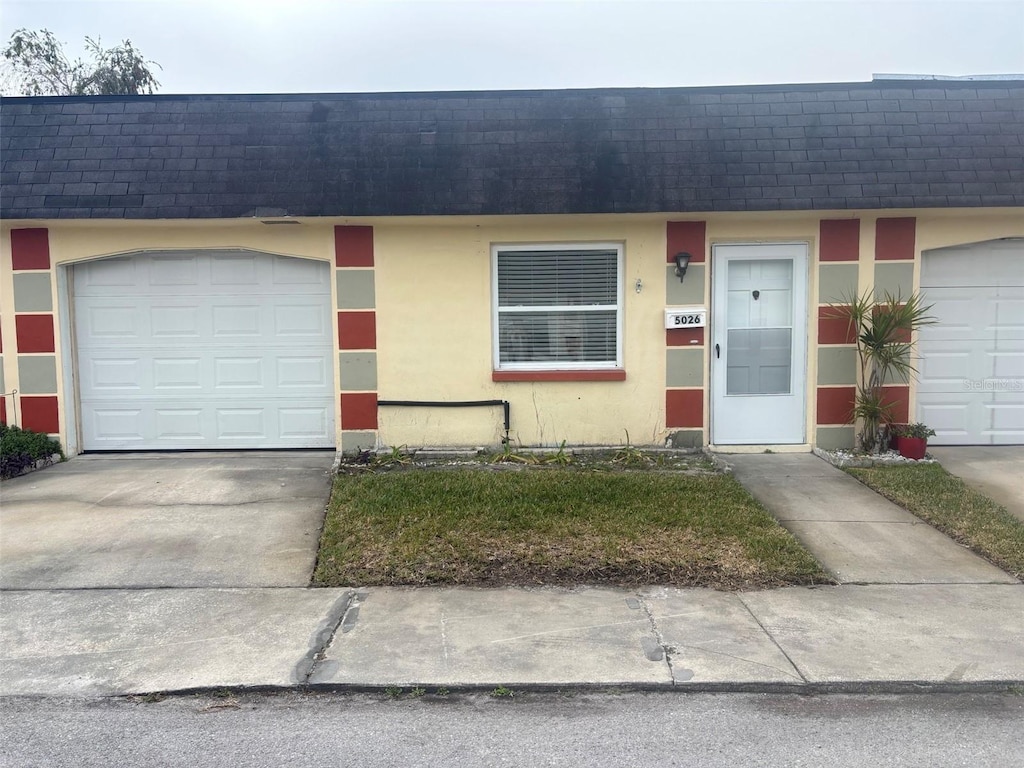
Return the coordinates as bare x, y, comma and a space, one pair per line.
204, 349
971, 386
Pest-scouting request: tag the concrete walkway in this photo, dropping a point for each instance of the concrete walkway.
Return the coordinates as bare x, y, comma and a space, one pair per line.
849, 638
994, 470
942, 618
857, 535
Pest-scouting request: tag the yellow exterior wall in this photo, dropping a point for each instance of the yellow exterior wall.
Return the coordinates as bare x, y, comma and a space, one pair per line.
434, 338
433, 307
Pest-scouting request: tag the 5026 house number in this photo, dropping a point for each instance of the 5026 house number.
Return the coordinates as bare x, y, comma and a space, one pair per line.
686, 317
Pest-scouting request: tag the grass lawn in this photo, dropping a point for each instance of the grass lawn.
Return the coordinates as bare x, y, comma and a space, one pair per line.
943, 500
526, 526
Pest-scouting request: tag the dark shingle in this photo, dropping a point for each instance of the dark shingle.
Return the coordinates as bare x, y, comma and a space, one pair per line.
872, 145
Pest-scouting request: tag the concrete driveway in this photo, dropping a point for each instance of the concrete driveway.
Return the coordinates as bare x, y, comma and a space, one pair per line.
247, 519
994, 470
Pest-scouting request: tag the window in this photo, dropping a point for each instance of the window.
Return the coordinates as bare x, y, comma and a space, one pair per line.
557, 307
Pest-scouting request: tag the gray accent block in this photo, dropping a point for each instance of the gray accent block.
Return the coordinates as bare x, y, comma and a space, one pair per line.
895, 277
3, 388
358, 371
355, 289
32, 292
836, 282
837, 365
688, 292
687, 438
835, 438
37, 375
684, 367
354, 442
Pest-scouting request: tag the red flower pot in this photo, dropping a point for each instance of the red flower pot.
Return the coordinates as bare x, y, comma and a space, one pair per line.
912, 447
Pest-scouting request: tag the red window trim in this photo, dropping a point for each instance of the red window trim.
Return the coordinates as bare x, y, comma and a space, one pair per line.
601, 374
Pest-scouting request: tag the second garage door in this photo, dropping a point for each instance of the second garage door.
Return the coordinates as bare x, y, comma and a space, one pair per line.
971, 385
204, 350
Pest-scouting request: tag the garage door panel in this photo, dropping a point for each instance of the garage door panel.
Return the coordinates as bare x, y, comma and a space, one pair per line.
213, 350
981, 265
235, 372
176, 373
1008, 361
230, 319
1007, 418
973, 356
177, 271
106, 274
303, 423
300, 320
175, 322
110, 322
295, 272
303, 372
115, 426
945, 367
234, 423
1009, 312
965, 314
950, 418
234, 269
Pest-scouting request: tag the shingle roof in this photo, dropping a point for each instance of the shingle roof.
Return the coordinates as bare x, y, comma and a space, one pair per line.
872, 145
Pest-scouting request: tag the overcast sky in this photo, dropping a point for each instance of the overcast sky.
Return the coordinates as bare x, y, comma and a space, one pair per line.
282, 46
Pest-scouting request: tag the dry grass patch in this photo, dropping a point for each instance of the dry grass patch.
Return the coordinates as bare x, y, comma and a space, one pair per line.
943, 500
554, 526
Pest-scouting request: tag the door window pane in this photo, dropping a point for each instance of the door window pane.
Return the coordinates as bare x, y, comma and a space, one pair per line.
759, 361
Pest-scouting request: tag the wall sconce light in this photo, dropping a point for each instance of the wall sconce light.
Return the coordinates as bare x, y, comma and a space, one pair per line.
682, 262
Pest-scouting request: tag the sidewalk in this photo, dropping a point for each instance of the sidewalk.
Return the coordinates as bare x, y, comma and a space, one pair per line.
912, 609
849, 638
856, 534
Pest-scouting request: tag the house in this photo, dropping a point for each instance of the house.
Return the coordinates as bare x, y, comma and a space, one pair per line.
275, 271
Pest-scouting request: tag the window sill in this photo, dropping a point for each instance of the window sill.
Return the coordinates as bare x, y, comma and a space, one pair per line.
599, 374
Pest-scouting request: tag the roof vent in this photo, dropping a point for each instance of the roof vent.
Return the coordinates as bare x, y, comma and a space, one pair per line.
961, 78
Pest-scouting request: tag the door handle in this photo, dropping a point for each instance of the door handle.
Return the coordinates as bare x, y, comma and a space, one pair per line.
718, 351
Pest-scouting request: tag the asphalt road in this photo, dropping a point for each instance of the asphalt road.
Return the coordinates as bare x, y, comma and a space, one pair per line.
530, 729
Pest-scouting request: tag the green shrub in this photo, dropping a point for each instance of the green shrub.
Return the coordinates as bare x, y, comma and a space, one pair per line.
20, 449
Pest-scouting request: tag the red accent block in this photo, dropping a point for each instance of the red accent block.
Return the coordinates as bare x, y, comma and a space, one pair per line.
834, 327
681, 337
688, 236
684, 408
40, 414
3, 410
357, 330
897, 398
835, 404
603, 374
353, 246
359, 410
34, 333
30, 248
894, 239
839, 240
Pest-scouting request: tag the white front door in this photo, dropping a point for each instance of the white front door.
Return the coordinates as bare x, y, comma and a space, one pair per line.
758, 344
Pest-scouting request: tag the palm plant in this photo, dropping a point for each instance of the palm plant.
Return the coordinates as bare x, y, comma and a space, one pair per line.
884, 331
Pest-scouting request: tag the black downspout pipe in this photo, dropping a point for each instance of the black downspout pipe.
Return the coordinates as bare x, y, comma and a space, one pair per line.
505, 406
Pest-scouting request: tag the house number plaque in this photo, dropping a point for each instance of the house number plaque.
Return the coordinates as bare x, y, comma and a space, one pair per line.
686, 317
